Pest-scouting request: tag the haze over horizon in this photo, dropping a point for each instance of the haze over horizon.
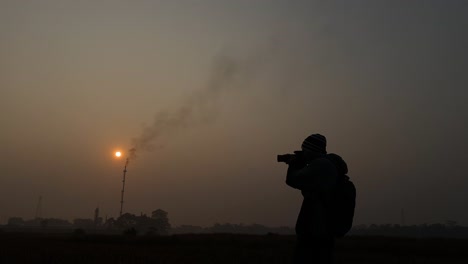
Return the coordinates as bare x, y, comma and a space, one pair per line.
211, 91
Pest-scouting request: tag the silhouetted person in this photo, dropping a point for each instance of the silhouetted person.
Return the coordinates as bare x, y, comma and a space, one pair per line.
316, 176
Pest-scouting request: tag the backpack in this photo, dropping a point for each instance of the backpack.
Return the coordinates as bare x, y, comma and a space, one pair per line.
341, 208
342, 211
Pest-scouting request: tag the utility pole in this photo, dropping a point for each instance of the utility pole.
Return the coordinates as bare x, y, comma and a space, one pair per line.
123, 188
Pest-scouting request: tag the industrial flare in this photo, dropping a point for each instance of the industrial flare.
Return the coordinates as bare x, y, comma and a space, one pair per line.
118, 154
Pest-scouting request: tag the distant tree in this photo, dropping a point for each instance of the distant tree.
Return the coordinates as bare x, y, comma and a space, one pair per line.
110, 223
159, 214
15, 221
188, 229
127, 220
44, 223
56, 222
130, 232
34, 222
152, 231
161, 221
158, 224
451, 223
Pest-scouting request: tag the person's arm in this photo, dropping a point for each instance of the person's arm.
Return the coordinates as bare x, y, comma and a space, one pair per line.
294, 177
313, 177
301, 177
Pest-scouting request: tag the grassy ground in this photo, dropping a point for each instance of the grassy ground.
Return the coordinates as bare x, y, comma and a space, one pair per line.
218, 248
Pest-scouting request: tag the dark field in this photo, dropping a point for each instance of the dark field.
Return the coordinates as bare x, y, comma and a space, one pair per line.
218, 248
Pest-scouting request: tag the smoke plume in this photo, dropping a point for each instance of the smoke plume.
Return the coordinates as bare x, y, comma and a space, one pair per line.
226, 73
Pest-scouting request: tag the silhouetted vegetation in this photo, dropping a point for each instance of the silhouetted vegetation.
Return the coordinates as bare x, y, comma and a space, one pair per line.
144, 239
254, 229
449, 229
130, 232
157, 224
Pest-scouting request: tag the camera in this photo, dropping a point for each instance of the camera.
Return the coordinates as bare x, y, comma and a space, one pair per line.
298, 156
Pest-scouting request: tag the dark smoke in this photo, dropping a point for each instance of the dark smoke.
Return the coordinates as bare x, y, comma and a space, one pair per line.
226, 73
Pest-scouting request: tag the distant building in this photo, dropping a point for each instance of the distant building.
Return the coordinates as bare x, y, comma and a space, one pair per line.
97, 219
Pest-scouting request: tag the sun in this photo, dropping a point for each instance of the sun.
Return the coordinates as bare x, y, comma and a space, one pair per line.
118, 154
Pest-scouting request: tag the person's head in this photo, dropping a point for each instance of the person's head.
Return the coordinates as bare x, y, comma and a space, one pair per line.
314, 145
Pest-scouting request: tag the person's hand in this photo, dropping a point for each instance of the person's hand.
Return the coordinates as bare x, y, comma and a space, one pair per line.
296, 163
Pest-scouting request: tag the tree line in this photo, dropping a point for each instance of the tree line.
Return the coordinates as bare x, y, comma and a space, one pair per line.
158, 224
449, 229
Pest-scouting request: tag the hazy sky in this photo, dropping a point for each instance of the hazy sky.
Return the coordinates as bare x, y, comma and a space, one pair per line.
219, 88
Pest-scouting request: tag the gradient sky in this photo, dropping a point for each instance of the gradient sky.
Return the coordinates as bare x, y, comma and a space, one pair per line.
385, 81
